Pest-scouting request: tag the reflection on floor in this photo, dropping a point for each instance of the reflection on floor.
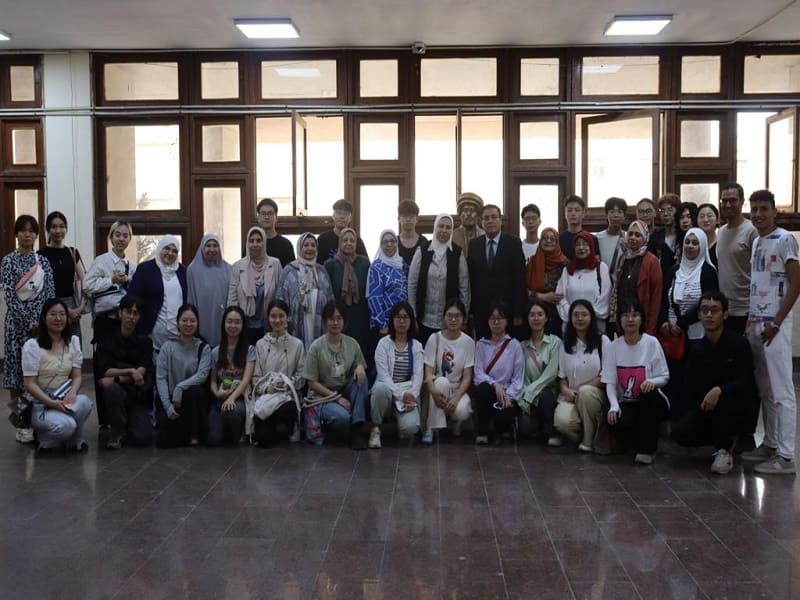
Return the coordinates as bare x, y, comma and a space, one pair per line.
452, 521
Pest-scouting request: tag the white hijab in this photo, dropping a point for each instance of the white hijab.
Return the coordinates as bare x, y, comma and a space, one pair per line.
395, 261
168, 271
690, 270
439, 248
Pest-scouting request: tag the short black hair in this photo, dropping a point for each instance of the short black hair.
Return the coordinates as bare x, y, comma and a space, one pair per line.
732, 185
574, 199
407, 208
643, 200
24, 220
494, 206
715, 296
278, 303
412, 321
56, 214
500, 307
268, 202
458, 304
43, 338
530, 208
713, 208
757, 196
692, 208
128, 301
631, 304
615, 202
344, 205
188, 307
332, 306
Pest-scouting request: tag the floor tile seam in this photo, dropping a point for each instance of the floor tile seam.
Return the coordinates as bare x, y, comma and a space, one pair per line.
341, 505
127, 481
491, 521
389, 520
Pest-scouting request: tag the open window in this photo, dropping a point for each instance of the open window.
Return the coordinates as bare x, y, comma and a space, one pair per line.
781, 150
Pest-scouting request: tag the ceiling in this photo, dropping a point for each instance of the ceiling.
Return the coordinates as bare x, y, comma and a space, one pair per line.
179, 24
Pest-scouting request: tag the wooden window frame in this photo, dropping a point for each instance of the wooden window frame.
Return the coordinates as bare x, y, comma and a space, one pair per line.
515, 162
6, 62
726, 84
8, 167
404, 79
222, 167
341, 76
404, 141
727, 147
8, 186
664, 80
515, 75
183, 60
501, 83
743, 50
196, 84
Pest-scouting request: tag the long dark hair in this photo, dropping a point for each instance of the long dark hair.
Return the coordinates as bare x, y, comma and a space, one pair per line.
593, 338
44, 339
240, 351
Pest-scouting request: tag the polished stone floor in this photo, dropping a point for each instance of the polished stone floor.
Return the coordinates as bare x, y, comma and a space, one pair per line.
452, 521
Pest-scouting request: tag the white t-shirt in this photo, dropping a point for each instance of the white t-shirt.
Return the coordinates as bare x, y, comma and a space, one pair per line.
452, 357
579, 368
529, 249
626, 367
734, 248
768, 282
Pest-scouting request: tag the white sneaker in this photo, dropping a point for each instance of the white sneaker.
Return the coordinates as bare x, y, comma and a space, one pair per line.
762, 453
481, 440
775, 466
25, 435
295, 437
644, 459
555, 441
723, 462
375, 438
585, 447
427, 437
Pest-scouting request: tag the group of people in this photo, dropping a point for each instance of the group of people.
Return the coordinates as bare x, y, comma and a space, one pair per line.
594, 339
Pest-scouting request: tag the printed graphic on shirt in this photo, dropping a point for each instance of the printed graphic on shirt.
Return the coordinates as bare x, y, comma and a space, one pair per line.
448, 361
630, 381
768, 281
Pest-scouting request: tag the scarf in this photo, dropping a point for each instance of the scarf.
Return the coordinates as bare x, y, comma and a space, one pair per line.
395, 261
542, 263
688, 274
626, 254
208, 289
590, 263
306, 271
350, 293
440, 248
254, 275
167, 271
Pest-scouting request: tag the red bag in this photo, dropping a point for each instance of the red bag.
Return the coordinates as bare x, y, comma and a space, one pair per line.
674, 346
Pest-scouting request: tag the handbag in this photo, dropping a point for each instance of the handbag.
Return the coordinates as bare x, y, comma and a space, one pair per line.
31, 284
674, 346
20, 409
266, 404
78, 295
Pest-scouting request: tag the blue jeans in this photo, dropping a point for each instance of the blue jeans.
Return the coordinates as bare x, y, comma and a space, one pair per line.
336, 418
54, 428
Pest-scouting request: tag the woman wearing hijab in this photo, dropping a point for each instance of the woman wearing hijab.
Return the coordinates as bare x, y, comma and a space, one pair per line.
437, 275
305, 287
348, 273
161, 284
254, 281
544, 272
637, 276
694, 276
584, 278
208, 278
386, 282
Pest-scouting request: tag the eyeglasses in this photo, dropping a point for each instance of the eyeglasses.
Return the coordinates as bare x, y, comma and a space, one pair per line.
266, 214
728, 200
632, 316
336, 319
645, 211
666, 210
709, 310
497, 319
402, 318
453, 316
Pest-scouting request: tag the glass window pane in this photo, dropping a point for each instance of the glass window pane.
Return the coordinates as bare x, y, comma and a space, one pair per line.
324, 163
26, 202
772, 74
222, 215
781, 160
23, 146
378, 141
143, 167
434, 163
458, 77
377, 201
620, 160
700, 74
219, 80
482, 157
619, 75
298, 79
751, 160
300, 168
221, 143
274, 162
543, 196
23, 85
538, 77
699, 139
377, 78
141, 81
143, 247
538, 140
699, 193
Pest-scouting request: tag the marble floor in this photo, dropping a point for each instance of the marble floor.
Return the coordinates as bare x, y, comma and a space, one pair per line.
450, 521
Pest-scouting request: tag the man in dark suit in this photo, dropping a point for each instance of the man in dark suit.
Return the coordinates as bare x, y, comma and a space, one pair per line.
496, 272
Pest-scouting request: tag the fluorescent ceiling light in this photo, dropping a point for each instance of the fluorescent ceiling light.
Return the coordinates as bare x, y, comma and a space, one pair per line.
601, 68
638, 25
297, 72
267, 28
4, 37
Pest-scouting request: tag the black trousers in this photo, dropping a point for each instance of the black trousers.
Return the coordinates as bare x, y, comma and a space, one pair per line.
225, 427
190, 424
129, 409
103, 326
718, 427
541, 418
486, 413
638, 423
265, 432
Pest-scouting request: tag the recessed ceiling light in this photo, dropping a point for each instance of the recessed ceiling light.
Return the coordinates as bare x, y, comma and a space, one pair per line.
638, 25
599, 69
4, 37
267, 28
